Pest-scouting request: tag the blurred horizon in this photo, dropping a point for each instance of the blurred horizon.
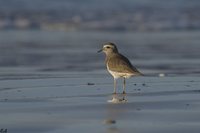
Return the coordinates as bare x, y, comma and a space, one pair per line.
63, 35
104, 15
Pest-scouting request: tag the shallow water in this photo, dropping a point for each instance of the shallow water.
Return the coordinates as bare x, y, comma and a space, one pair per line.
172, 53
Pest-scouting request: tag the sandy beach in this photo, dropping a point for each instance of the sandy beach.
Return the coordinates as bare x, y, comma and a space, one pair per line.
82, 102
55, 82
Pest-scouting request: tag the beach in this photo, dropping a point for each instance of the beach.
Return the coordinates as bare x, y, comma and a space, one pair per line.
83, 102
56, 82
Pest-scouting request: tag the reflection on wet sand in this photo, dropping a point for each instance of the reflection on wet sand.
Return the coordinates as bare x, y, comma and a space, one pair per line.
114, 112
118, 98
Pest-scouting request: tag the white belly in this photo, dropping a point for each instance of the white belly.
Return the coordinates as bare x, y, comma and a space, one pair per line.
119, 74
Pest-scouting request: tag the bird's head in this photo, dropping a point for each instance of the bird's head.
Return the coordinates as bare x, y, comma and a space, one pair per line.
109, 48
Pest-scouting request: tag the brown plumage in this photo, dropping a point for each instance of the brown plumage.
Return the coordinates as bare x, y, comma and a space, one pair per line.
121, 64
117, 64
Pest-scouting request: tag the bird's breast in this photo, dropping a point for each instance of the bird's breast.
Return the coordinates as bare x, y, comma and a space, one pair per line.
116, 74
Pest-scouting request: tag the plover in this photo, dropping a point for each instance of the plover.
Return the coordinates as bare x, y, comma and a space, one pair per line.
118, 65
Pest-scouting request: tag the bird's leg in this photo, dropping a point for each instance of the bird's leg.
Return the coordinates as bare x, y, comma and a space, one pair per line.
124, 84
115, 82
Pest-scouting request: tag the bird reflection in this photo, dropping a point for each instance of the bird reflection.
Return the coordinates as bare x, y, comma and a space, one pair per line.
118, 98
114, 112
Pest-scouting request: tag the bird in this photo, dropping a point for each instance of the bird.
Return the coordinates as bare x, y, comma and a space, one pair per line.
118, 65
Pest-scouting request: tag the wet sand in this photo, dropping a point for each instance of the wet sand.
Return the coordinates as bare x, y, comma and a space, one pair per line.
82, 102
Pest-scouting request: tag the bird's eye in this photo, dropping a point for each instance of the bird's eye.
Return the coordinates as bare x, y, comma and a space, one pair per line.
107, 47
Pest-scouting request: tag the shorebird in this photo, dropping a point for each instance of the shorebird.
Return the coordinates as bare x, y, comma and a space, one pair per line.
118, 65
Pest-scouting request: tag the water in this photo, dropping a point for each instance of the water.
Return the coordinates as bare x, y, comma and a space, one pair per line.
172, 53
55, 82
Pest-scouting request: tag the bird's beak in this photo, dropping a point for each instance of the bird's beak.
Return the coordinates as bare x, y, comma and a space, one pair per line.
100, 50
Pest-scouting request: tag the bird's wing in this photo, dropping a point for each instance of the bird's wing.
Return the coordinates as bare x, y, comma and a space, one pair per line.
120, 63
